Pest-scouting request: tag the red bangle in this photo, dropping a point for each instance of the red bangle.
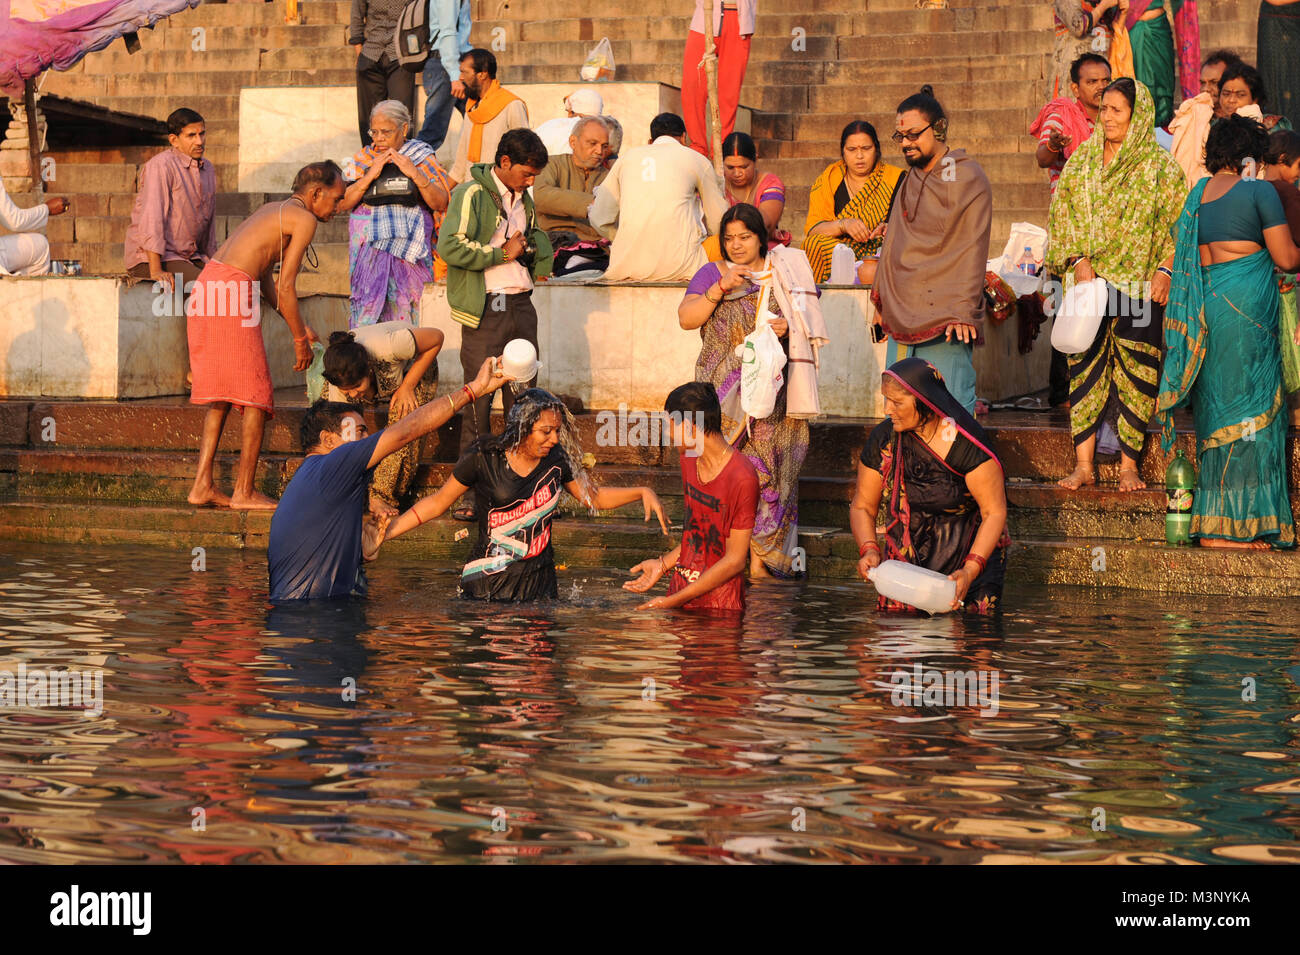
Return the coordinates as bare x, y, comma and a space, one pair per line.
868, 545
470, 391
978, 559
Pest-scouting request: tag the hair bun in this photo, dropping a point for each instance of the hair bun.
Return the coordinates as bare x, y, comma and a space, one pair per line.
927, 89
338, 338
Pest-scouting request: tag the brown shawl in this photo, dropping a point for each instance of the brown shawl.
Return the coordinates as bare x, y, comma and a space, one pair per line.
936, 251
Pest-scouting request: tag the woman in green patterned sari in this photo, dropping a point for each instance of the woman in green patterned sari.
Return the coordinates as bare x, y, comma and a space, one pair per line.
1115, 203
1222, 348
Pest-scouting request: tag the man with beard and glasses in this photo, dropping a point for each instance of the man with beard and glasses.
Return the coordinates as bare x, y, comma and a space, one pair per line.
929, 290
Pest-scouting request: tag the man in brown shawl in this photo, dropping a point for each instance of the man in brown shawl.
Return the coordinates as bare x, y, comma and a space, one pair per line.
929, 289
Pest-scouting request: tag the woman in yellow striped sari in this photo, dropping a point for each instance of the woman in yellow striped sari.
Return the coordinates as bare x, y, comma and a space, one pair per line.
850, 199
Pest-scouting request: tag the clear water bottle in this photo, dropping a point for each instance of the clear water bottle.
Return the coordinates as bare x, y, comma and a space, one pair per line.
316, 373
1026, 263
1180, 479
917, 587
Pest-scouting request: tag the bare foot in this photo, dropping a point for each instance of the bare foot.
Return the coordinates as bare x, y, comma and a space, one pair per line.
253, 502
1233, 545
1130, 480
1082, 475
207, 497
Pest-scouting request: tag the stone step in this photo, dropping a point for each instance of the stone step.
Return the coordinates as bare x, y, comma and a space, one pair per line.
164, 477
1144, 566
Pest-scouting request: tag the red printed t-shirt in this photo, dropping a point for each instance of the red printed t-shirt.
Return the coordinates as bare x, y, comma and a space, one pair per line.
713, 511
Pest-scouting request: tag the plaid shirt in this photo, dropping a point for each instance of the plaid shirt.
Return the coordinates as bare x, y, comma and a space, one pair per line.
400, 230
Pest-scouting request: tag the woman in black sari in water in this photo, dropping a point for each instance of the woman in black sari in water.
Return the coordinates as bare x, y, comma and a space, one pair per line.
942, 487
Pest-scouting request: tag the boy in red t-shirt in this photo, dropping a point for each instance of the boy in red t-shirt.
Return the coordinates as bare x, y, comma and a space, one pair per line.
721, 491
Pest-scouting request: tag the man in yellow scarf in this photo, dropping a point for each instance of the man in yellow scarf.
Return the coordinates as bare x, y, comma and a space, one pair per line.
490, 110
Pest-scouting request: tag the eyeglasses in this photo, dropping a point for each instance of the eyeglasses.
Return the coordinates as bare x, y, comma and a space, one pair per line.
899, 136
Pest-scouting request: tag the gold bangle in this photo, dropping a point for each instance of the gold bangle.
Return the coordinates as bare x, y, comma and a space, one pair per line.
451, 405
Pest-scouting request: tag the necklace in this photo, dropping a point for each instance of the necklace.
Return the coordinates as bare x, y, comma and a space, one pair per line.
909, 216
310, 257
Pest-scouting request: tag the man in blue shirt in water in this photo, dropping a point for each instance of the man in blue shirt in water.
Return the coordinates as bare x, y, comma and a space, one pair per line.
317, 548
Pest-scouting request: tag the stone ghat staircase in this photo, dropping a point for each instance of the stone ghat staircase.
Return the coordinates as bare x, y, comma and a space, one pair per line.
813, 67
119, 472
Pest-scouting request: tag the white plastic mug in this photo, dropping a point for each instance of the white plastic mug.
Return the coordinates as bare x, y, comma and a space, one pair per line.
519, 360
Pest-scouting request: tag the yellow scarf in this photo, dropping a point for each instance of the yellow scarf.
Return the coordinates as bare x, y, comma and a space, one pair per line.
480, 112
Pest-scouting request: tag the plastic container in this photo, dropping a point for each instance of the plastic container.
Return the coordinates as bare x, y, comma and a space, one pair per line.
1077, 320
1180, 479
316, 374
1026, 262
915, 586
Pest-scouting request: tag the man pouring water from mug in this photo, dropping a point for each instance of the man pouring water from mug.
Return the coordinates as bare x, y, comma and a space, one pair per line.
494, 251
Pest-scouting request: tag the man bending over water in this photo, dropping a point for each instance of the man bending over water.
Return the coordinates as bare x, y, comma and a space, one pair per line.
227, 355
316, 546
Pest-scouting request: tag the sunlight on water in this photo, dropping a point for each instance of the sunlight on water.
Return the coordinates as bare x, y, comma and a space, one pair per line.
418, 727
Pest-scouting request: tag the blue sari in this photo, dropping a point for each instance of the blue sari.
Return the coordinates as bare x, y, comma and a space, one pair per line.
1222, 355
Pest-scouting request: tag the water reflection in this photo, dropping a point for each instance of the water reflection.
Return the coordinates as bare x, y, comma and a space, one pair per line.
416, 727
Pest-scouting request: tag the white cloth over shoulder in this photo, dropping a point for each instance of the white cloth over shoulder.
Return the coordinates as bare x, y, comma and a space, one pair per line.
798, 296
26, 252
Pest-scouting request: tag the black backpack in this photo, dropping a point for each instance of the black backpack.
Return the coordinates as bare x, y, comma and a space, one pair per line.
411, 38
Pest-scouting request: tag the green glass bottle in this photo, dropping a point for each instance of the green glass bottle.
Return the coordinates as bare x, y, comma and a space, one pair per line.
1180, 479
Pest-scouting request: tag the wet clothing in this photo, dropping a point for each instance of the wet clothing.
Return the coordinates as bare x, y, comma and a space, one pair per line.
931, 517
315, 545
227, 353
512, 559
713, 510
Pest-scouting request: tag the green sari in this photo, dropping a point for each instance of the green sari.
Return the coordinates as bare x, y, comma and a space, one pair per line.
1154, 64
1222, 355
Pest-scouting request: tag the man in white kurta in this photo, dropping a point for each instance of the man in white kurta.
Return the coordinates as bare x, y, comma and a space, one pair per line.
655, 193
26, 252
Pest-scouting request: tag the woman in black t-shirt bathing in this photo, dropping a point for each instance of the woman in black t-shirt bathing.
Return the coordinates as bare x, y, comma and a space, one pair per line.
517, 478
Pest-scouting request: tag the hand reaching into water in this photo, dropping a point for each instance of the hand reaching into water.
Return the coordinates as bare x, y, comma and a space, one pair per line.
373, 529
648, 574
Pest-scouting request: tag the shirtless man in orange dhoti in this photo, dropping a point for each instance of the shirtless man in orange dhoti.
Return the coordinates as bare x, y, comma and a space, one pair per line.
227, 354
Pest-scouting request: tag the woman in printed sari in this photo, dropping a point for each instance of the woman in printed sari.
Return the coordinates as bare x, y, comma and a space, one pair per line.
1222, 346
1115, 203
397, 205
722, 302
763, 190
850, 201
1082, 26
942, 485
1166, 39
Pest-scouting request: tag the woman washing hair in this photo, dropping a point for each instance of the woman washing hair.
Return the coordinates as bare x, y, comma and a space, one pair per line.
517, 478
393, 362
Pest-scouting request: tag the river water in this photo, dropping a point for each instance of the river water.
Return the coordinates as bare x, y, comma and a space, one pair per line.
422, 728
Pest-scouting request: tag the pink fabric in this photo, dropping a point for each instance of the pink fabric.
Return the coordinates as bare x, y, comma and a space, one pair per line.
1187, 40
227, 355
28, 48
174, 211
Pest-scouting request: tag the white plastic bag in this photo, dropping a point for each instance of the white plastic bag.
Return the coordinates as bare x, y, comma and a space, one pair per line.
1079, 317
761, 361
1023, 235
599, 64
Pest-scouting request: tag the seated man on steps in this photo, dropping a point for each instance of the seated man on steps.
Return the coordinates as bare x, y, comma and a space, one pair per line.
317, 536
565, 190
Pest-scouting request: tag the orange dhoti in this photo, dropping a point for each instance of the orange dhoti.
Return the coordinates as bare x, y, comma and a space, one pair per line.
227, 355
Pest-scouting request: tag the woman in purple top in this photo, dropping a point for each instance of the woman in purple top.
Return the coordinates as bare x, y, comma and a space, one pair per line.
722, 302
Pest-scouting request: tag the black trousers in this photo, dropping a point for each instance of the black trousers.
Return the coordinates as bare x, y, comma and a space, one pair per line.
505, 317
377, 82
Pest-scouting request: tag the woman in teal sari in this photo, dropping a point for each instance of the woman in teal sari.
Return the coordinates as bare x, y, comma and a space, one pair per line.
1221, 345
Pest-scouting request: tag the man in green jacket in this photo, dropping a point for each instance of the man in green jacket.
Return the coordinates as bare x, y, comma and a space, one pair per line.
494, 250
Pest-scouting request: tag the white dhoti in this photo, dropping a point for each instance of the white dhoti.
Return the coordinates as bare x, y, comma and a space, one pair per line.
27, 253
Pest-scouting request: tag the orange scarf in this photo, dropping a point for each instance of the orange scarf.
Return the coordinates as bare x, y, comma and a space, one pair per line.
480, 112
